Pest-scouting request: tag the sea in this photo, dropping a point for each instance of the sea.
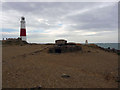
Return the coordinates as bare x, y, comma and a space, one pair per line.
111, 45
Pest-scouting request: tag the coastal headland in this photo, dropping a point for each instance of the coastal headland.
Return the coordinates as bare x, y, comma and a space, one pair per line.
27, 65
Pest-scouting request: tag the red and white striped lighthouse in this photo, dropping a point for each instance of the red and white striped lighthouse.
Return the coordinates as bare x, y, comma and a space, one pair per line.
22, 29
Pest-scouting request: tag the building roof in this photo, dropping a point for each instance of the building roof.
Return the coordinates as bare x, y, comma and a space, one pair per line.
60, 40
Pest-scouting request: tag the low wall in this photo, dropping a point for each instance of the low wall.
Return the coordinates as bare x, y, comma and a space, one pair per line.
64, 48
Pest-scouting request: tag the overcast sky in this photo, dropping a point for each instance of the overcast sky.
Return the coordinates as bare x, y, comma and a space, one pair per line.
73, 21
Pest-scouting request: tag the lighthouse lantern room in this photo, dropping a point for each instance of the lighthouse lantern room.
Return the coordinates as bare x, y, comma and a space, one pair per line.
22, 29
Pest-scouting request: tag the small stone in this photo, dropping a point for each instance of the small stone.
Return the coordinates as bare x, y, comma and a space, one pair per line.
32, 54
65, 76
38, 87
89, 51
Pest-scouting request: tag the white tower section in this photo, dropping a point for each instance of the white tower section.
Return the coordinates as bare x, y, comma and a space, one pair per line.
22, 29
22, 24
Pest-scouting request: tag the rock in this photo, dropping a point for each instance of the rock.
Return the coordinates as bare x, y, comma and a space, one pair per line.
65, 76
88, 51
38, 87
32, 54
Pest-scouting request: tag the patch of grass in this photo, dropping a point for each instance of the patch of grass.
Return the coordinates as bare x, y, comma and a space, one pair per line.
118, 53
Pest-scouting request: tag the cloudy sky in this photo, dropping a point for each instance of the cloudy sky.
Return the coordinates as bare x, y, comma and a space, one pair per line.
73, 21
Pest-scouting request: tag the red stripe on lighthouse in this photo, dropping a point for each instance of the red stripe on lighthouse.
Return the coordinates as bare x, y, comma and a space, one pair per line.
23, 32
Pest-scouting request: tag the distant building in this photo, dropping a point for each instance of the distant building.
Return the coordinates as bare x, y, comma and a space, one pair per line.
61, 46
12, 39
60, 42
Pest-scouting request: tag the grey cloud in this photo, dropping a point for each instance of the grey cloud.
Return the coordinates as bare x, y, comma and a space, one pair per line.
97, 19
54, 12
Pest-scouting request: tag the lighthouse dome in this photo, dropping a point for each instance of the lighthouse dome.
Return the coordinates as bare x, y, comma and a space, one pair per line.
22, 18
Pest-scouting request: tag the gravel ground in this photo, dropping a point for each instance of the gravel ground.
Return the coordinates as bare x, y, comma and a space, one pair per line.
31, 66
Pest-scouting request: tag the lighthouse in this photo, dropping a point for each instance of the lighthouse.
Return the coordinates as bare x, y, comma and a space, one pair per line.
22, 29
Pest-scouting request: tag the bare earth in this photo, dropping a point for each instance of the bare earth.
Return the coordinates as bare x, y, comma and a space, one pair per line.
30, 66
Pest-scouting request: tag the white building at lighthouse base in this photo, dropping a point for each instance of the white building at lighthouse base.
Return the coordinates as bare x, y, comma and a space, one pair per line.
23, 38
